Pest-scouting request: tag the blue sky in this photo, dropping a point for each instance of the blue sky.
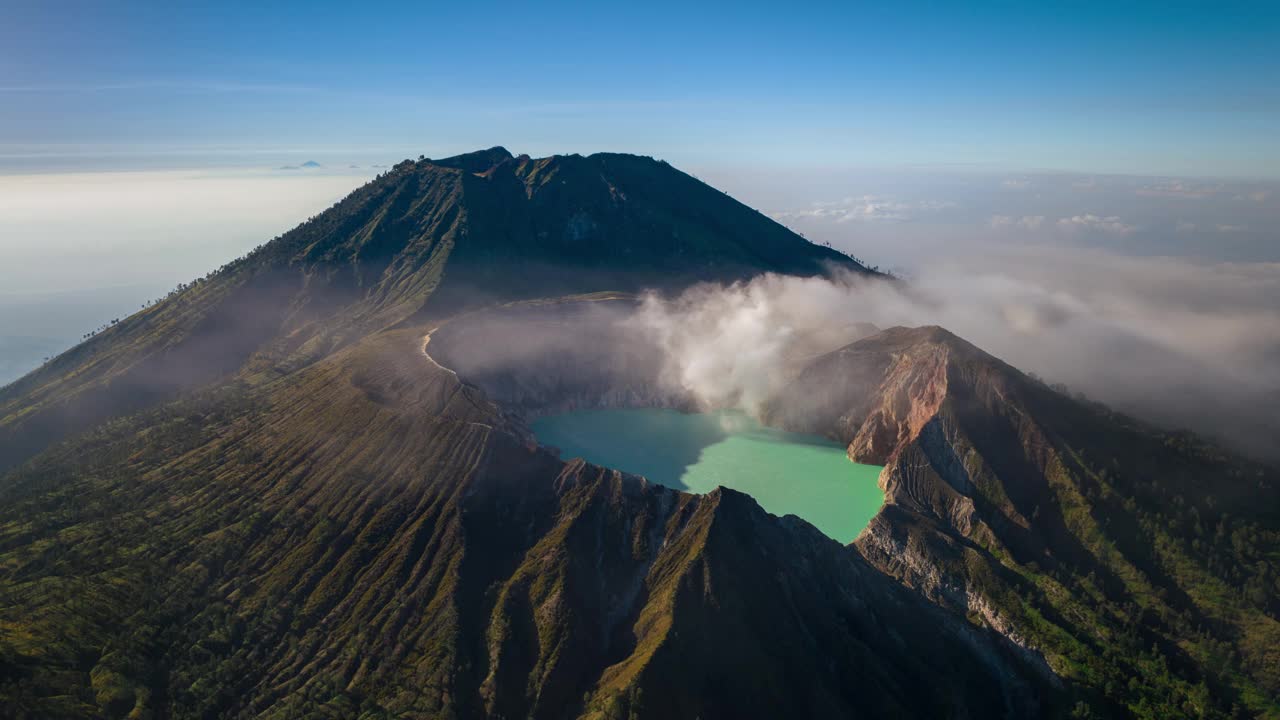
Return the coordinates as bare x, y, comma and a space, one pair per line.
1180, 88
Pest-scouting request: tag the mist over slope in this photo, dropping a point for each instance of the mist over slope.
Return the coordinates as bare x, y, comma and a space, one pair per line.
1183, 346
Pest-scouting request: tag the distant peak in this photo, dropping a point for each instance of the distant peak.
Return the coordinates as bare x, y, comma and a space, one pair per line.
308, 165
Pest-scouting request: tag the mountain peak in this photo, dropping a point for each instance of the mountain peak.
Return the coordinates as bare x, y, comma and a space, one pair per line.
925, 336
478, 161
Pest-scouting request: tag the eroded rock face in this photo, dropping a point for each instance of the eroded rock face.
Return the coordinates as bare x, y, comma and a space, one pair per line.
1034, 514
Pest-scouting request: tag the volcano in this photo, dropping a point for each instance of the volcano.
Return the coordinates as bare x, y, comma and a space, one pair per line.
296, 487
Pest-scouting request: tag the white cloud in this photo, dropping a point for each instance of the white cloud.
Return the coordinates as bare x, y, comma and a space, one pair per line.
1181, 188
1109, 224
874, 208
1025, 222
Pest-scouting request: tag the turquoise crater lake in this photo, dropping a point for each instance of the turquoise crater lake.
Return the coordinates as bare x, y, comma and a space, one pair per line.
787, 473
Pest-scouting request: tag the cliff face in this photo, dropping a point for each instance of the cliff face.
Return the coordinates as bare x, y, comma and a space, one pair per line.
1073, 531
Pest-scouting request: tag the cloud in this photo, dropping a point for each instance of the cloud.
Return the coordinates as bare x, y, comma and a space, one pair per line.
1230, 228
1181, 188
1088, 222
729, 346
868, 208
1026, 222
1109, 224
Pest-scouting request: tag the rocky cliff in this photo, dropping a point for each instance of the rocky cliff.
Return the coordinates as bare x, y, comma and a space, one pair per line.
1125, 556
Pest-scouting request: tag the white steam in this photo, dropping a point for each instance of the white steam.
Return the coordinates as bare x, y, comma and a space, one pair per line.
1181, 343
734, 346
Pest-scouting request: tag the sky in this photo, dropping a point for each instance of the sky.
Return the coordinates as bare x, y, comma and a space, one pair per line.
1182, 88
1089, 189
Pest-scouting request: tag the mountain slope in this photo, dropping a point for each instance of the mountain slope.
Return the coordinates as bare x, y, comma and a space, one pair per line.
367, 536
1141, 564
475, 228
261, 498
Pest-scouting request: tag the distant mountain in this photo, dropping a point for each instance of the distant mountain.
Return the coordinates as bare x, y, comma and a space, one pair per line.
308, 165
297, 488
